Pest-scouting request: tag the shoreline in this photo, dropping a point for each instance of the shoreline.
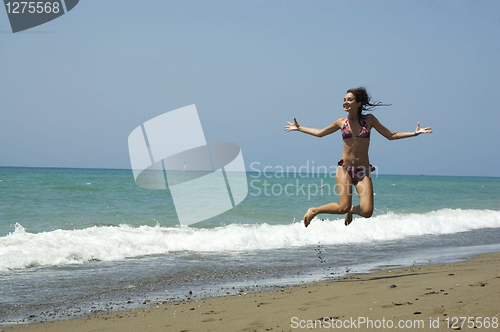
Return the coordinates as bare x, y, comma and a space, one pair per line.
424, 294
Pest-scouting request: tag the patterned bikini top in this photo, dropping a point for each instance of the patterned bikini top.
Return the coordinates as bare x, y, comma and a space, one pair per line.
363, 132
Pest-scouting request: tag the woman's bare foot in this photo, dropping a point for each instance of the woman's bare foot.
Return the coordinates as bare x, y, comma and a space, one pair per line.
348, 219
308, 217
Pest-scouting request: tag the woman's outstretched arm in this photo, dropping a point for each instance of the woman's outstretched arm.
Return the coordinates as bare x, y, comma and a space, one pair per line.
392, 135
313, 131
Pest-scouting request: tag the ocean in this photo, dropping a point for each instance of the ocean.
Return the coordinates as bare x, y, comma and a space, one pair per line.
75, 242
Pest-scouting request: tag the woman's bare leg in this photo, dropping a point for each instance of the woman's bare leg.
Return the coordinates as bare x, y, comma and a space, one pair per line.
364, 189
344, 188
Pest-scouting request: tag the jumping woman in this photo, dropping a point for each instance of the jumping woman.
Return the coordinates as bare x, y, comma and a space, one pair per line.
354, 168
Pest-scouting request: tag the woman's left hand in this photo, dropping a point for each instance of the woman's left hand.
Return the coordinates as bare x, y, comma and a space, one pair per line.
422, 130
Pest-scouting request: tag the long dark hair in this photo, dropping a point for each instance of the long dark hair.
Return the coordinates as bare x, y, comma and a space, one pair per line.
367, 104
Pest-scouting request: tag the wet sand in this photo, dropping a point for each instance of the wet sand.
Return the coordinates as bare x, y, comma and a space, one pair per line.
430, 297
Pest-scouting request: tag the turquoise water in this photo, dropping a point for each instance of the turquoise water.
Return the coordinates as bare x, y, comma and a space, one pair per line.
97, 229
45, 199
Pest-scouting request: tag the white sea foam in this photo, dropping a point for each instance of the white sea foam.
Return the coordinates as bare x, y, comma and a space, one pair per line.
21, 249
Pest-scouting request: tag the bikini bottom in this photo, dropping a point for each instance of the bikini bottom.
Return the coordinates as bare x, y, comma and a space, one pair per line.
356, 173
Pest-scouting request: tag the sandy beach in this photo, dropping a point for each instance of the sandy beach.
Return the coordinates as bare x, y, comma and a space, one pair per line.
445, 296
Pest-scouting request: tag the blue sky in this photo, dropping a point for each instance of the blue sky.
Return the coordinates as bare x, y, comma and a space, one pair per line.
73, 89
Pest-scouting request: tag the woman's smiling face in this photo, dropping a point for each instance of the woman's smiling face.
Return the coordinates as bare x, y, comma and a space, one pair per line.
350, 103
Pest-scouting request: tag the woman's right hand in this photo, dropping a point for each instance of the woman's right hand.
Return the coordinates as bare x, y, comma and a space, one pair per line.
292, 126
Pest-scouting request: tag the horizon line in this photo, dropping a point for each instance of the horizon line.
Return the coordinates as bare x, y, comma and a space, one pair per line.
319, 173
